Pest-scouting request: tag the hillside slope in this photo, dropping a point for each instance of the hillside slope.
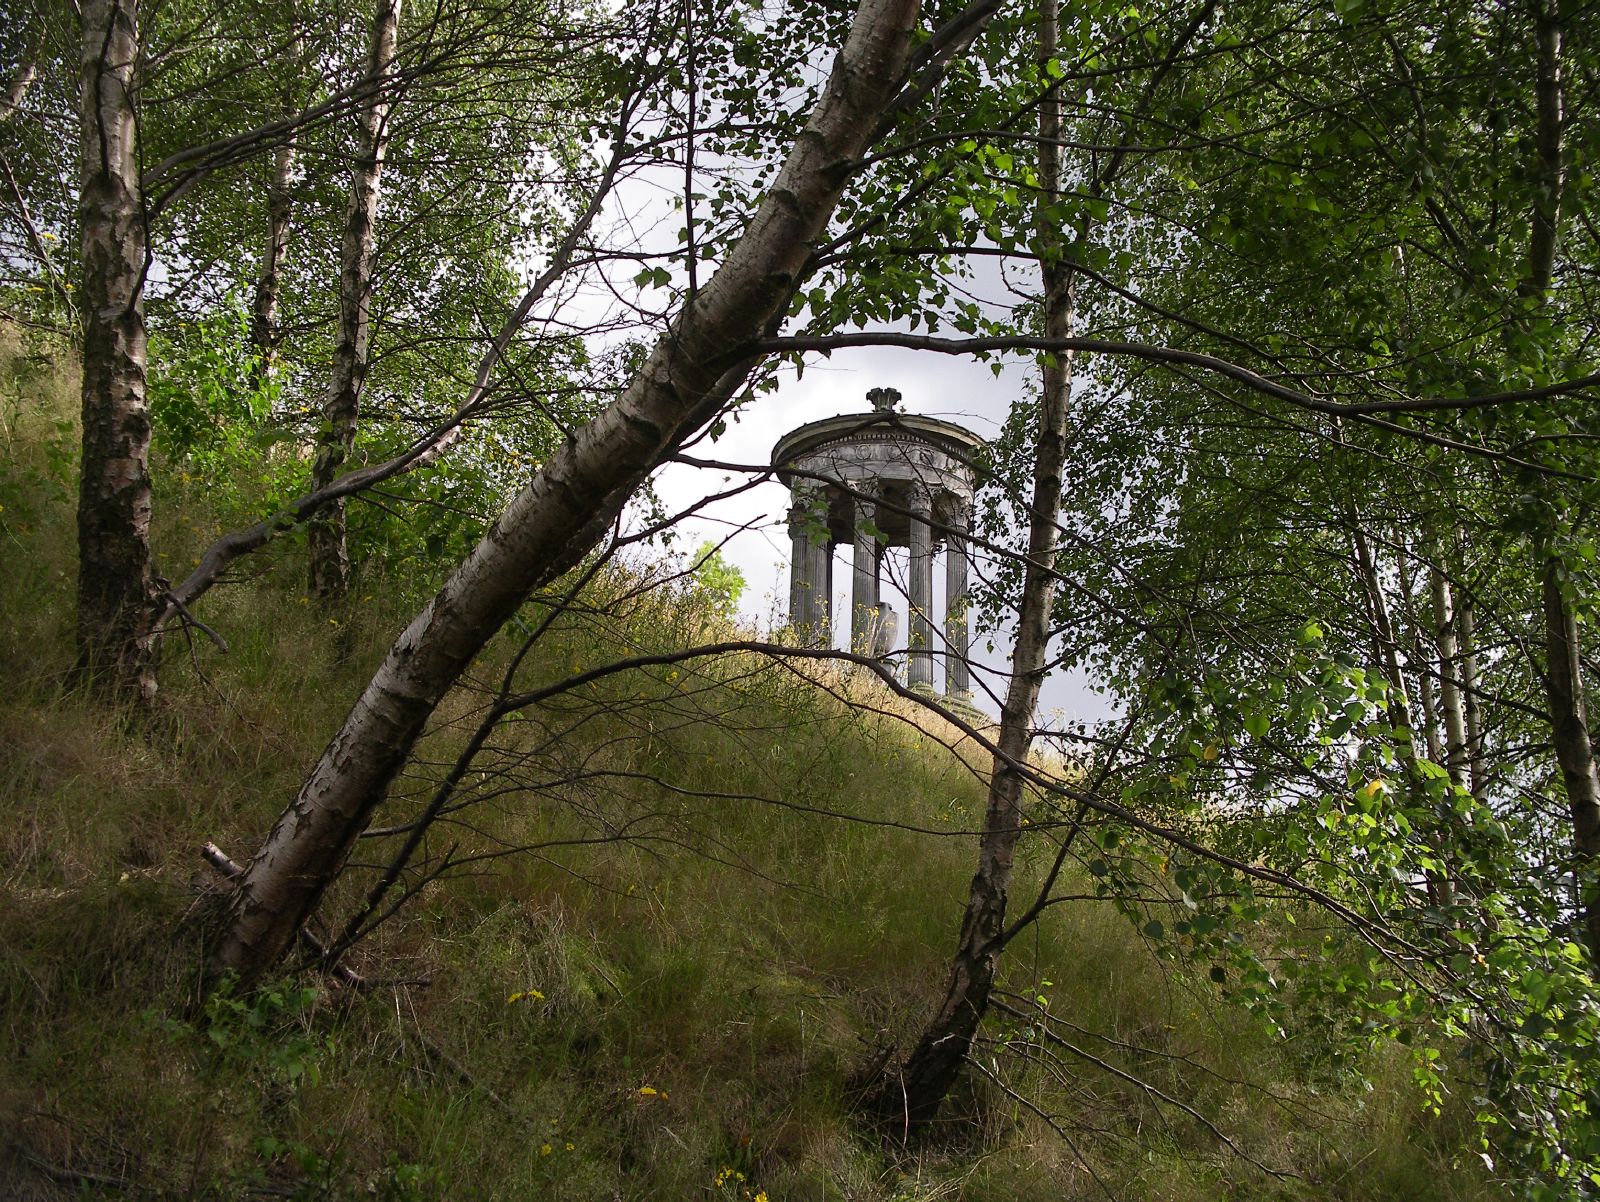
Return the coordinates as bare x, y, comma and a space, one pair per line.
683, 907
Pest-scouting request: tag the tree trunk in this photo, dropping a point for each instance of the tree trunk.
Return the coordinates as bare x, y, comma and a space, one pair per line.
1477, 773
116, 645
553, 520
264, 332
1549, 166
1458, 755
909, 1095
1399, 703
1420, 657
330, 559
21, 84
1569, 725
1564, 686
1441, 890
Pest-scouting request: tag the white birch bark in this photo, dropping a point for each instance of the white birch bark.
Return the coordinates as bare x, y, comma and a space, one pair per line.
1565, 687
280, 206
554, 519
116, 644
1476, 769
1441, 890
330, 559
911, 1098
21, 82
1451, 696
1421, 658
908, 1098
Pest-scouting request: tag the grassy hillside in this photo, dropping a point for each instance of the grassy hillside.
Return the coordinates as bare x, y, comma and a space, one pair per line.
686, 906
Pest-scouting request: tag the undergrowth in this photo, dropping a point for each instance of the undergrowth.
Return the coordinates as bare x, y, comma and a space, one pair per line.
683, 908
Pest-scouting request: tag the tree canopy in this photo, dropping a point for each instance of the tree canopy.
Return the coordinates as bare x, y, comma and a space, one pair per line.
1306, 481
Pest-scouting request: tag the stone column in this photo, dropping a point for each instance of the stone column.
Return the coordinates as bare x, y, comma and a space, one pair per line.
807, 570
864, 584
823, 624
920, 669
957, 680
798, 563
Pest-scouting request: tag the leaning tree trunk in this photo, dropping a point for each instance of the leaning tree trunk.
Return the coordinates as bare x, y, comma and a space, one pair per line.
341, 408
552, 521
908, 1095
116, 645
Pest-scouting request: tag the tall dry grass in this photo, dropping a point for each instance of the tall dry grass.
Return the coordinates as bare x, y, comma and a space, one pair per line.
686, 906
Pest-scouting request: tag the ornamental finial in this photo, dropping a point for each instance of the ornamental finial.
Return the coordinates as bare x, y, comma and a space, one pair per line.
884, 399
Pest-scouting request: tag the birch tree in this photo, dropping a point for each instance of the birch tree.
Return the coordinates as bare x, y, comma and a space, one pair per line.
175, 201
330, 559
116, 638
265, 295
684, 382
910, 1095
1565, 686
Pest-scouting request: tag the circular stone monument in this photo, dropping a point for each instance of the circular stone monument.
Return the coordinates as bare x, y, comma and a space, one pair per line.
878, 480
